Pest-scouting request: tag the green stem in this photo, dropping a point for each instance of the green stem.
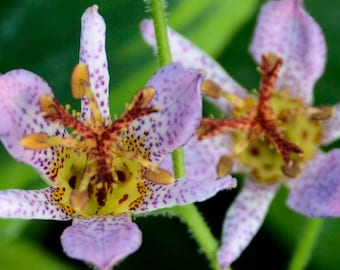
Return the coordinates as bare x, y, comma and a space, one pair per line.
306, 244
159, 20
194, 220
188, 213
164, 56
178, 163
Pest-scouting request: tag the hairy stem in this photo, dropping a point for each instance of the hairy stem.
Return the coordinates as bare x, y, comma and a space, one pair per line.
199, 229
189, 213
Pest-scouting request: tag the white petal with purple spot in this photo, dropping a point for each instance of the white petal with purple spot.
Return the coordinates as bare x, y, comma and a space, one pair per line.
30, 204
20, 115
92, 53
190, 56
101, 241
317, 191
183, 191
284, 28
243, 220
180, 107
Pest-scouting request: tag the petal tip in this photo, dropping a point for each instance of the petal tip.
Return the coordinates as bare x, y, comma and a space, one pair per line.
101, 241
232, 182
92, 9
147, 31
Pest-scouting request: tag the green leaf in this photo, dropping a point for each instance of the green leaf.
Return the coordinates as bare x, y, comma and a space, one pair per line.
23, 254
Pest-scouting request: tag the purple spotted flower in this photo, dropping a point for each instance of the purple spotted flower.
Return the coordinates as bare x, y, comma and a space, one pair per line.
103, 171
275, 135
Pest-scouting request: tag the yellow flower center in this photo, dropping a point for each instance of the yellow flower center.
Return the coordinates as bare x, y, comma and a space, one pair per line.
261, 156
96, 169
274, 135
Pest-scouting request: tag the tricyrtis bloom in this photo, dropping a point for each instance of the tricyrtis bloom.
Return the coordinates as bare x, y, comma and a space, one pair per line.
99, 166
273, 135
100, 171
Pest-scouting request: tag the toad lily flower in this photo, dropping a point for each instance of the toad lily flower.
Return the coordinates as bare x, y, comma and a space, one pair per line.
102, 171
275, 135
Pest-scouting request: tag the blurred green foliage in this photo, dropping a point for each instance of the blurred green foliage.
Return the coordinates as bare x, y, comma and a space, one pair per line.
43, 36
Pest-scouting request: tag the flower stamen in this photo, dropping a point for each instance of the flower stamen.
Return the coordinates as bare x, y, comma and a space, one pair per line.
322, 113
213, 90
80, 86
105, 160
159, 176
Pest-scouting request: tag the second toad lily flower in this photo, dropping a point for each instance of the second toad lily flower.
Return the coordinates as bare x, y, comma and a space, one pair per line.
274, 136
102, 171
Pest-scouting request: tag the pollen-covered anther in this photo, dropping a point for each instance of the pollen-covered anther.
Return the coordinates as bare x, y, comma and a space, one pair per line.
159, 176
36, 141
291, 169
78, 200
322, 113
50, 108
80, 80
41, 141
138, 106
142, 98
211, 89
224, 166
80, 86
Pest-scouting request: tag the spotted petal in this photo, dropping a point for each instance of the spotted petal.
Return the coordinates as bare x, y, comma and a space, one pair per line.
243, 220
20, 115
101, 241
190, 56
284, 28
317, 192
92, 53
33, 204
180, 108
201, 157
183, 191
331, 130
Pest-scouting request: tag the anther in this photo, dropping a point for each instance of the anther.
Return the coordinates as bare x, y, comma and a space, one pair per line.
322, 113
78, 200
291, 169
80, 80
159, 176
142, 98
35, 141
224, 166
211, 89
49, 106
41, 141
